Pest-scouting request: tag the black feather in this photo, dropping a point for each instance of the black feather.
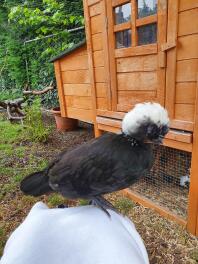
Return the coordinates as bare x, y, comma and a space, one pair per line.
36, 184
103, 165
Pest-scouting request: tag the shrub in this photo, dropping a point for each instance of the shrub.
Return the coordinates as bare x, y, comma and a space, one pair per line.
35, 129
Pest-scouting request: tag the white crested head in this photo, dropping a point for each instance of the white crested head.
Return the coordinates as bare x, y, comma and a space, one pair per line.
142, 116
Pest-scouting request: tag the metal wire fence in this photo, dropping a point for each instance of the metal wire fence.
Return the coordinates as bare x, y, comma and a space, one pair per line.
167, 184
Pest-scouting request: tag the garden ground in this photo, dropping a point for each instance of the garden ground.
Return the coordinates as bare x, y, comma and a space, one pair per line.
166, 242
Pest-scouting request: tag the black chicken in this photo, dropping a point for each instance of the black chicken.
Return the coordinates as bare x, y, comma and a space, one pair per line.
106, 164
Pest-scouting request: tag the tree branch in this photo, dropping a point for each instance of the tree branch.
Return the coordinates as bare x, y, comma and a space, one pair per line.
36, 92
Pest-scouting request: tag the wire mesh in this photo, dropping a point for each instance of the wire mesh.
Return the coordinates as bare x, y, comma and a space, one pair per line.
167, 183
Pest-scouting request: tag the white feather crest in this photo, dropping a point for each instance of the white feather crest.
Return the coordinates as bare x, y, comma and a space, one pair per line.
143, 113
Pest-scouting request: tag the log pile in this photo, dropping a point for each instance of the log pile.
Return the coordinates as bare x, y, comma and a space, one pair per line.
14, 107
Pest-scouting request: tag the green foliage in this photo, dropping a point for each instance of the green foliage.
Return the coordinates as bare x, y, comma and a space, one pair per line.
35, 129
124, 205
23, 62
55, 200
10, 133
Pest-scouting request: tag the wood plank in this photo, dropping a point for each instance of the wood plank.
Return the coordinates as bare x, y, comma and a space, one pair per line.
139, 63
193, 192
177, 145
74, 63
185, 93
102, 103
184, 112
149, 204
136, 51
112, 63
182, 125
172, 29
92, 2
91, 66
134, 35
80, 76
188, 47
108, 122
96, 24
187, 4
83, 114
95, 10
137, 81
98, 58
185, 22
185, 137
106, 57
121, 27
100, 74
78, 102
119, 2
108, 128
162, 10
134, 97
146, 20
59, 82
97, 41
106, 113
187, 70
77, 89
101, 90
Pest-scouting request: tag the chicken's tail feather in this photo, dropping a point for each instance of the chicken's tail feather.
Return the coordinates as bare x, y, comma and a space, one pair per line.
36, 184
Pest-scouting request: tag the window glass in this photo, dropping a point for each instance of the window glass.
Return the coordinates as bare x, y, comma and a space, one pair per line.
123, 39
122, 13
146, 8
147, 34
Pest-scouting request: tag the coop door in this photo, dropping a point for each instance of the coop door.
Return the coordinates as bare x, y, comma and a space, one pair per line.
136, 30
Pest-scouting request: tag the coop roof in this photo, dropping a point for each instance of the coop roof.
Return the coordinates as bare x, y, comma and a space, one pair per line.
69, 51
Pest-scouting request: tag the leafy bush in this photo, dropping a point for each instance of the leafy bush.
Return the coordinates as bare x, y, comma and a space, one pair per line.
35, 129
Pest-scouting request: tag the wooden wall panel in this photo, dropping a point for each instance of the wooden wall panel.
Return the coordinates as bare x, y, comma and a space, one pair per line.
95, 9
77, 89
185, 93
132, 97
184, 112
187, 4
188, 22
101, 103
74, 63
140, 63
97, 42
137, 81
96, 24
80, 76
101, 89
98, 57
92, 2
83, 114
187, 70
78, 102
100, 74
188, 47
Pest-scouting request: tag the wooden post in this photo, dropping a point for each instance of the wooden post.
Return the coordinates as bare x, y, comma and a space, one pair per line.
192, 224
91, 64
61, 95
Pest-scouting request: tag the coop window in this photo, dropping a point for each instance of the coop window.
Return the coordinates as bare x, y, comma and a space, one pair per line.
147, 34
146, 8
135, 23
123, 39
122, 13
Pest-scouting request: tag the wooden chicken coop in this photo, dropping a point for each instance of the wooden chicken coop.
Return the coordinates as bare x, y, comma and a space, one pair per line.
137, 51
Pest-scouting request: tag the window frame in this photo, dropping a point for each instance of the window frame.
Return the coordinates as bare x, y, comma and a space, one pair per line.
133, 25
